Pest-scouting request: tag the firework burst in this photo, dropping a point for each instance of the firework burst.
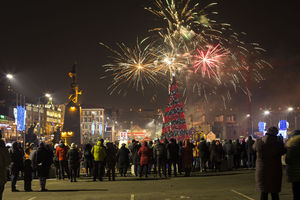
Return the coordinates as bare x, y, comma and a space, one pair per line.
186, 47
132, 66
209, 62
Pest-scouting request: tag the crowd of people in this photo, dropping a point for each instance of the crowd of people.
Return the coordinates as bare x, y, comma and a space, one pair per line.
162, 158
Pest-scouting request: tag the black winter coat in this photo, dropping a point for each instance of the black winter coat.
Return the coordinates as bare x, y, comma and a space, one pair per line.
16, 159
269, 150
159, 151
73, 158
134, 154
43, 160
173, 151
123, 157
111, 157
203, 150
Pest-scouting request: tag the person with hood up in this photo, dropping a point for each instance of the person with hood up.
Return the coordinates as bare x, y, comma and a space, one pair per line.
44, 160
123, 159
4, 163
160, 157
144, 154
187, 157
73, 162
111, 160
269, 150
16, 165
61, 153
99, 153
293, 163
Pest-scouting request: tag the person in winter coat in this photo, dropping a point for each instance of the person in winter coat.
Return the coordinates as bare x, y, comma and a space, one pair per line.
160, 157
216, 155
99, 153
16, 165
135, 157
187, 157
32, 157
123, 159
27, 175
61, 153
151, 160
203, 154
237, 154
56, 162
250, 152
243, 153
44, 160
228, 150
73, 162
293, 163
144, 154
173, 156
111, 160
180, 170
4, 163
88, 159
269, 150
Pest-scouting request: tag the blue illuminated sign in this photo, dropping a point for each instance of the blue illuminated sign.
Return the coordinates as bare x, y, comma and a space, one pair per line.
283, 125
261, 126
21, 118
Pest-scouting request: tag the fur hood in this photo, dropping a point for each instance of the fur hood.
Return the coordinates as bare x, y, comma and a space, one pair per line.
293, 141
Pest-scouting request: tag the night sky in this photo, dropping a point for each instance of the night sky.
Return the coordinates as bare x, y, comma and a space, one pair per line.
40, 41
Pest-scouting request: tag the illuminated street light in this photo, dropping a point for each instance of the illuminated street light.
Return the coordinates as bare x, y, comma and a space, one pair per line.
266, 112
72, 108
48, 95
290, 109
248, 115
9, 76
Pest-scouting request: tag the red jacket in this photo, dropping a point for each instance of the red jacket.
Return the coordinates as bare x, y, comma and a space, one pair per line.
144, 154
61, 152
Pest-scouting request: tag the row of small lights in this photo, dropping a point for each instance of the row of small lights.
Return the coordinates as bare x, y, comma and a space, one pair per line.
267, 112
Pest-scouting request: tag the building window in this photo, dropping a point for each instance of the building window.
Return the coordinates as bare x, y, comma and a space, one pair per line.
89, 119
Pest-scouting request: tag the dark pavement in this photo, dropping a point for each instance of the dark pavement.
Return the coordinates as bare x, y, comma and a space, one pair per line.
231, 185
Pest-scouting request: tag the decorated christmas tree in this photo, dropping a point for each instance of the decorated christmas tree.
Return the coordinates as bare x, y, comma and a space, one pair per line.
174, 125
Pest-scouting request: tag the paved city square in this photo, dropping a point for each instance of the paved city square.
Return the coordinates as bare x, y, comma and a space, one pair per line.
230, 185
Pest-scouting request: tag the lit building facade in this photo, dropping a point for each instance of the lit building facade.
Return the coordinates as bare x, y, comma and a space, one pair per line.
92, 124
51, 119
7, 128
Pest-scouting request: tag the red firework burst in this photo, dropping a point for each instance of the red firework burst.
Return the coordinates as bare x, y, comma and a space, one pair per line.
209, 61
